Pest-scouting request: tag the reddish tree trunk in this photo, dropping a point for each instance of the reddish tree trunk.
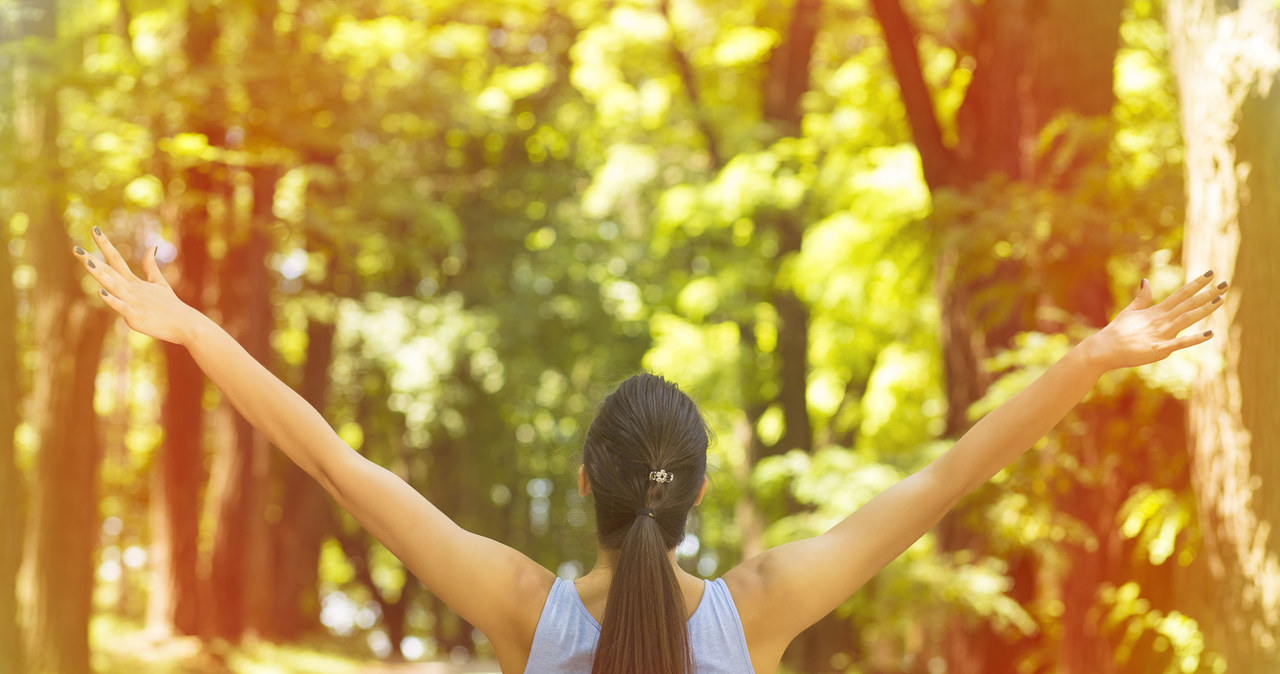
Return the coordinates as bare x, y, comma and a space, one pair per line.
11, 487
1035, 61
240, 575
178, 471
70, 326
305, 515
63, 527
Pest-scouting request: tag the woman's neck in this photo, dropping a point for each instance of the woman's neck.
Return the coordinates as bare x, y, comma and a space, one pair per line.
593, 588
607, 559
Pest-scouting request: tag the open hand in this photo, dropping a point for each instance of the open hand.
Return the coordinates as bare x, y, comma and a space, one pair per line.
1142, 333
150, 307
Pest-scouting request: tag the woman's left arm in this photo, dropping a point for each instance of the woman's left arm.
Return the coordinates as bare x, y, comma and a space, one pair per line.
1139, 334
793, 585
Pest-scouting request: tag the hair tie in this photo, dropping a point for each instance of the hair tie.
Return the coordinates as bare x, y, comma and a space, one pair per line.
661, 476
645, 511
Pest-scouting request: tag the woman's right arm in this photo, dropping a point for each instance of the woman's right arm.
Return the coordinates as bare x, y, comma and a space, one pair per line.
476, 576
268, 404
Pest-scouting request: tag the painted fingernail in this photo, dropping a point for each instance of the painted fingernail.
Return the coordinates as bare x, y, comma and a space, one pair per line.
1208, 273
1215, 300
97, 231
104, 292
79, 250
1208, 333
1222, 286
91, 266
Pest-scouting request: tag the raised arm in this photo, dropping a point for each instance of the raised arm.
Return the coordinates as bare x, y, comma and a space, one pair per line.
785, 589
492, 586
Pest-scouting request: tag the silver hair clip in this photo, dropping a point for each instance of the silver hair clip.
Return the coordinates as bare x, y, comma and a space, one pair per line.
661, 476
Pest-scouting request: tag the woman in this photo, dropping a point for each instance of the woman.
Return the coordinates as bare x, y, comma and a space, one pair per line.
644, 462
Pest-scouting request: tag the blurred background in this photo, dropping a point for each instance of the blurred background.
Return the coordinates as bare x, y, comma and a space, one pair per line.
847, 228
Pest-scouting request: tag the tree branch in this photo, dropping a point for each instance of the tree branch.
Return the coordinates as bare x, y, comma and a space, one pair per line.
691, 88
789, 66
900, 37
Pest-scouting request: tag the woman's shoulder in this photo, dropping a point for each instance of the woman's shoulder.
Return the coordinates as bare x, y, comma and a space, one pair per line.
750, 598
745, 583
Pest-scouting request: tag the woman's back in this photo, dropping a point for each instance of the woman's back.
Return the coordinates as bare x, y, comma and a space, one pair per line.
567, 633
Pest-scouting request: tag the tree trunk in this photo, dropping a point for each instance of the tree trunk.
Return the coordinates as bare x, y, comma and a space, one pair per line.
1227, 62
178, 471
64, 518
305, 517
257, 303
11, 487
1035, 61
787, 81
240, 573
69, 329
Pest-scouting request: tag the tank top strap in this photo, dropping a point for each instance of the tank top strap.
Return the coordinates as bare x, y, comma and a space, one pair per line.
716, 634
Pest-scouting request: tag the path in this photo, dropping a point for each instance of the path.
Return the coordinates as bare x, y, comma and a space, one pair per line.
477, 667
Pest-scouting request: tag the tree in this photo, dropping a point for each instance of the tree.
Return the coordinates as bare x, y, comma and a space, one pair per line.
1034, 62
178, 468
1226, 57
178, 472
306, 516
69, 332
240, 572
11, 487
11, 396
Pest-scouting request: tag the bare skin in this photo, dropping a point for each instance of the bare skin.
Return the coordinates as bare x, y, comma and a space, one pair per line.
778, 593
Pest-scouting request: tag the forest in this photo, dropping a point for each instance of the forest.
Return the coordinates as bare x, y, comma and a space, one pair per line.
847, 228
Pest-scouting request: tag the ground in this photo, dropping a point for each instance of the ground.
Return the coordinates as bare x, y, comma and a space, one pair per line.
122, 647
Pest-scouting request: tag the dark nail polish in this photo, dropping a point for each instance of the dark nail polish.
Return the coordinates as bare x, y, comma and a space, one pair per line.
1215, 300
1208, 273
1222, 286
79, 250
104, 292
1208, 333
97, 231
91, 265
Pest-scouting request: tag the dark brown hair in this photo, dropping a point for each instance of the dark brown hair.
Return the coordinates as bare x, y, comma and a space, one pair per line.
646, 425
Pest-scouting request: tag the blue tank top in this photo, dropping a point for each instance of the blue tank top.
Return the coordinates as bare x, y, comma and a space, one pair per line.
565, 641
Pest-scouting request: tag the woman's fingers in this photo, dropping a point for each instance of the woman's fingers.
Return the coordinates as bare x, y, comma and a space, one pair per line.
1198, 299
1188, 340
111, 255
112, 301
1196, 308
152, 268
1187, 291
104, 274
1187, 319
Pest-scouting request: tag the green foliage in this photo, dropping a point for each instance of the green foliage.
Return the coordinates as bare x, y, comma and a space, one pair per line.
1135, 620
1159, 519
504, 208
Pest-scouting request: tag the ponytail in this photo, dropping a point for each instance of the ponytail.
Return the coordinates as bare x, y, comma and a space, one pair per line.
644, 629
645, 456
